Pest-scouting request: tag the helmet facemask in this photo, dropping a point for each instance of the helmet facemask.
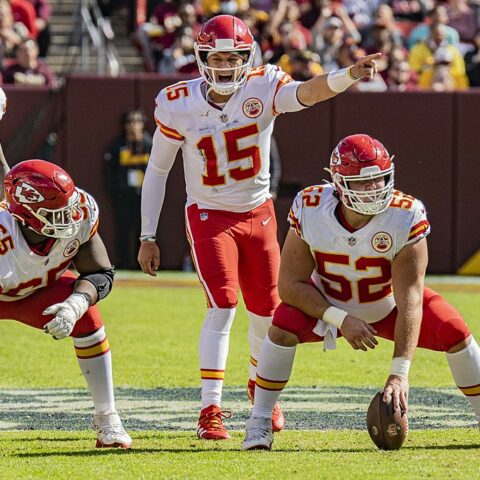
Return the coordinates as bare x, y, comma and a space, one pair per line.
365, 202
238, 74
56, 223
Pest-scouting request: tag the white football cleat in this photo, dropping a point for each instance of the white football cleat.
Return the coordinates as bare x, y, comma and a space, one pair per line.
110, 431
258, 434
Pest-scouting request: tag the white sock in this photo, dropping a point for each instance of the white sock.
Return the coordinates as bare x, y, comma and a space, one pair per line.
465, 367
273, 372
257, 332
95, 361
213, 346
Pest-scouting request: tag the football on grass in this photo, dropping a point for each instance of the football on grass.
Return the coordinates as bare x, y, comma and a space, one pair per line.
387, 428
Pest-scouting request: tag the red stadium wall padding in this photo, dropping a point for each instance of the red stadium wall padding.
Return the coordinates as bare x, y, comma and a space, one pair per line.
418, 128
433, 136
303, 140
32, 115
466, 172
94, 107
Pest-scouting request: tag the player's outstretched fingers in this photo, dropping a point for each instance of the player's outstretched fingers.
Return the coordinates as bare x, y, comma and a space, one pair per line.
365, 66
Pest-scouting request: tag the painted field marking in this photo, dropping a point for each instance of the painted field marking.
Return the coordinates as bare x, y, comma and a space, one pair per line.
176, 409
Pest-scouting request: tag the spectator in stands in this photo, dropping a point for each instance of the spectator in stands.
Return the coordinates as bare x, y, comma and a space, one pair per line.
287, 40
285, 22
127, 160
437, 16
401, 78
329, 39
426, 57
180, 58
43, 11
302, 65
464, 19
159, 33
211, 8
472, 61
440, 78
409, 13
398, 54
383, 17
11, 33
332, 28
361, 11
381, 40
29, 69
24, 12
188, 16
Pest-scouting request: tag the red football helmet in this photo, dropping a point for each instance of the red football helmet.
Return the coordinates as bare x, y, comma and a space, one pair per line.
359, 158
229, 34
43, 197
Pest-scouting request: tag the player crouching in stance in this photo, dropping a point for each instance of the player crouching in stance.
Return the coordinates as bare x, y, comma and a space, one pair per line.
46, 223
353, 265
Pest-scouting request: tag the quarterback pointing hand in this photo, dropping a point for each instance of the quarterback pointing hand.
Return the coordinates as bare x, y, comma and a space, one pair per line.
223, 123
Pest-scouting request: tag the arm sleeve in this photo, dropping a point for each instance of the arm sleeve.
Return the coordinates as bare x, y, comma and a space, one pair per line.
286, 99
159, 165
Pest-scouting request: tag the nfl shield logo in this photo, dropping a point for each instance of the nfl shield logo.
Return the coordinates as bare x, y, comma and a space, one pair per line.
351, 241
204, 216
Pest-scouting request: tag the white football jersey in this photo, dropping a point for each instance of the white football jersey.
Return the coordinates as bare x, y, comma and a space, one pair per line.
353, 270
22, 271
226, 153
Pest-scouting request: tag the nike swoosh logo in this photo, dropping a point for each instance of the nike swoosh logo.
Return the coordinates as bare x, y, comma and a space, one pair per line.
264, 222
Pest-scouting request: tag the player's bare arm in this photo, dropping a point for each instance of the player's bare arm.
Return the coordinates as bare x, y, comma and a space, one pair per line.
325, 86
408, 275
92, 257
296, 290
296, 268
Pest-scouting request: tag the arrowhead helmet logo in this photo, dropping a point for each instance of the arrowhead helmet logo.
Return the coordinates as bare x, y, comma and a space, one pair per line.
25, 193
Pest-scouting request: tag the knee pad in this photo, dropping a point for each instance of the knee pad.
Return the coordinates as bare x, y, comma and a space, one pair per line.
259, 325
219, 319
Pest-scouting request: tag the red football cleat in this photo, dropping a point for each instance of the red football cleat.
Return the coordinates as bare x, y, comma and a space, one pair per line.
278, 418
210, 424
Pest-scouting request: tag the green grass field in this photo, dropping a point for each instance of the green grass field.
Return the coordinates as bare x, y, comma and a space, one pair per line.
153, 329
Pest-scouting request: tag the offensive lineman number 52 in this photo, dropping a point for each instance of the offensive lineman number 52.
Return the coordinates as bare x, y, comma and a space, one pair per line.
206, 145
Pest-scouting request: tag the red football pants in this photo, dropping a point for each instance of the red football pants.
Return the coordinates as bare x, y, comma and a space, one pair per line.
233, 250
29, 309
442, 326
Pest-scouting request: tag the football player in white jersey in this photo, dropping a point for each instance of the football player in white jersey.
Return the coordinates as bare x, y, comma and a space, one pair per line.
46, 223
223, 123
353, 265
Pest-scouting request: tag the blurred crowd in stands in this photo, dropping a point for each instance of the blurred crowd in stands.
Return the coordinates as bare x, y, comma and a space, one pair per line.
427, 44
24, 42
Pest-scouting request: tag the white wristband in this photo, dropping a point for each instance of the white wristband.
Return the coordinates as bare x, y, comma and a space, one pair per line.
339, 80
400, 367
334, 316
